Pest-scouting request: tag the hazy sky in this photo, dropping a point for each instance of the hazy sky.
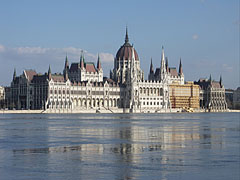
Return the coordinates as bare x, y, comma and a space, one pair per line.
204, 33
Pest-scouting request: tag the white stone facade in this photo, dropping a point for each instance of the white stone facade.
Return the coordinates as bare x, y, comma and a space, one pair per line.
125, 92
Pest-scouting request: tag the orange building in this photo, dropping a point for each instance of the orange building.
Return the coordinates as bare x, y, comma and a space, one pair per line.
184, 96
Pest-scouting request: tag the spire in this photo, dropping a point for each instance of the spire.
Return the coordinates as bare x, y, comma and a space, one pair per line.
163, 56
111, 74
99, 63
14, 74
81, 60
163, 66
49, 73
66, 75
180, 71
126, 36
66, 63
220, 81
151, 67
210, 78
166, 64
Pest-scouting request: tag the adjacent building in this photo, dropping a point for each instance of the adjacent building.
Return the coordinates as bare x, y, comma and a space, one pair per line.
184, 96
236, 98
212, 95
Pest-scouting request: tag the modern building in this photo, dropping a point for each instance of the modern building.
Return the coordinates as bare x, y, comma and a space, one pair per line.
212, 95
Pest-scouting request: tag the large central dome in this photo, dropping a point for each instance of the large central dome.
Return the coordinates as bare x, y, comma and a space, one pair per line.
126, 50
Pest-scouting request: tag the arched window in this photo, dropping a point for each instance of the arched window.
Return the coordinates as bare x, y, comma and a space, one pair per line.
161, 91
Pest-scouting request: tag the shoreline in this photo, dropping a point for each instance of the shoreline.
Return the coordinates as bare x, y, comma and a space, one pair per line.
102, 112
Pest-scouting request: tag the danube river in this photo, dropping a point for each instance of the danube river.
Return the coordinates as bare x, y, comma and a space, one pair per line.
120, 146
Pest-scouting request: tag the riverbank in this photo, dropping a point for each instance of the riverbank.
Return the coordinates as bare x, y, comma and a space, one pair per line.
105, 111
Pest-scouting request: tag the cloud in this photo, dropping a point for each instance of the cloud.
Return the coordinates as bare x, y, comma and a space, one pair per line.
195, 37
39, 58
106, 57
2, 48
227, 68
31, 50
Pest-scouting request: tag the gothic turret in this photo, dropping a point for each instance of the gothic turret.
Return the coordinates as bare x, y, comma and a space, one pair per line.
210, 78
99, 66
163, 72
167, 68
111, 74
66, 67
180, 71
66, 63
82, 61
126, 36
49, 73
151, 72
14, 74
220, 81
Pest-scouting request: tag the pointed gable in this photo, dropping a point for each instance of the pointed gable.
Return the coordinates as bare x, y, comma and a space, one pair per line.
173, 71
29, 74
90, 67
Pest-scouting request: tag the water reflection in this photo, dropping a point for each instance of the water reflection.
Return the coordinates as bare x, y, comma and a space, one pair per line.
115, 146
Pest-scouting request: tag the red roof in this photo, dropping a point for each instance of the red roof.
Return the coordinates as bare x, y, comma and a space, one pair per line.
58, 78
125, 52
30, 74
216, 84
90, 67
173, 71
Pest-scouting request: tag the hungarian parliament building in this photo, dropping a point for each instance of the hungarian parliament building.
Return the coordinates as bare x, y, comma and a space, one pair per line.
82, 88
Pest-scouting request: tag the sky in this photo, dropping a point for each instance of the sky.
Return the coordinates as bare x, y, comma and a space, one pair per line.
203, 33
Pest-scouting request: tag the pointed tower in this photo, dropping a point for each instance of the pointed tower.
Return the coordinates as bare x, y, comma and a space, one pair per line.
167, 69
82, 61
220, 81
151, 72
210, 78
126, 36
163, 72
99, 66
14, 74
111, 74
151, 67
66, 66
49, 73
180, 71
66, 63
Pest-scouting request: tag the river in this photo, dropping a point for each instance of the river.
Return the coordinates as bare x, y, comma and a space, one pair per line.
120, 146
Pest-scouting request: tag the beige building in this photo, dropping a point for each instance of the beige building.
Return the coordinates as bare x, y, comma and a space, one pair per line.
184, 95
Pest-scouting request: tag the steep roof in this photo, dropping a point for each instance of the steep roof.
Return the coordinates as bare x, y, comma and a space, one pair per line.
90, 67
74, 67
58, 78
173, 71
29, 74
